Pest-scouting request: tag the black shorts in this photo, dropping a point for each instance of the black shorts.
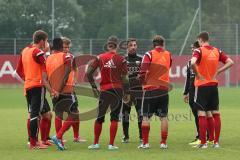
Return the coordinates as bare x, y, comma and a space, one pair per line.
206, 98
110, 99
134, 100
46, 107
155, 102
135, 97
191, 99
65, 103
36, 96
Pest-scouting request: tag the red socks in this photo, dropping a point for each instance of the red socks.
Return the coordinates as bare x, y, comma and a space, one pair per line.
66, 125
202, 128
43, 128
145, 133
210, 128
75, 126
33, 141
97, 131
58, 124
113, 131
217, 120
164, 135
212, 124
48, 128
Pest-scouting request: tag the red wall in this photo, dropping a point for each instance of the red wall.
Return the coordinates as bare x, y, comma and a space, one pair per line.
8, 64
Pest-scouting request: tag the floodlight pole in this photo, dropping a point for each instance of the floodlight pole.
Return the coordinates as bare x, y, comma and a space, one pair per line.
53, 17
127, 27
200, 15
188, 33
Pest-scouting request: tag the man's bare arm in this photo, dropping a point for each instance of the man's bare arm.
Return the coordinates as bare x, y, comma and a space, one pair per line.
227, 65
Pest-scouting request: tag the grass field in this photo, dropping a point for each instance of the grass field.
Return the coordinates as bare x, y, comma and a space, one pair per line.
13, 134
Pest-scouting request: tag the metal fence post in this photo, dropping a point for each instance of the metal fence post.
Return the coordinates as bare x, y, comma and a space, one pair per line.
15, 46
227, 78
90, 46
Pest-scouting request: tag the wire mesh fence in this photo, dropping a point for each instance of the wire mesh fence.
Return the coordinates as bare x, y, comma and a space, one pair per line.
227, 41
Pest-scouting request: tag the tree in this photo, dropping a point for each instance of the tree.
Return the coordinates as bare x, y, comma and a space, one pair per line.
19, 19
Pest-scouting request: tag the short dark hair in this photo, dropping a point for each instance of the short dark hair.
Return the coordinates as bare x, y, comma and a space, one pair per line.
158, 41
112, 42
39, 35
204, 36
131, 40
196, 44
57, 44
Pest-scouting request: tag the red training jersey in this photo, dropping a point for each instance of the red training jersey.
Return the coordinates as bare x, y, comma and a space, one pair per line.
112, 67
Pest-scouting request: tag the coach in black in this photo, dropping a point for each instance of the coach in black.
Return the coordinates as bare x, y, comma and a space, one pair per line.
189, 92
133, 64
